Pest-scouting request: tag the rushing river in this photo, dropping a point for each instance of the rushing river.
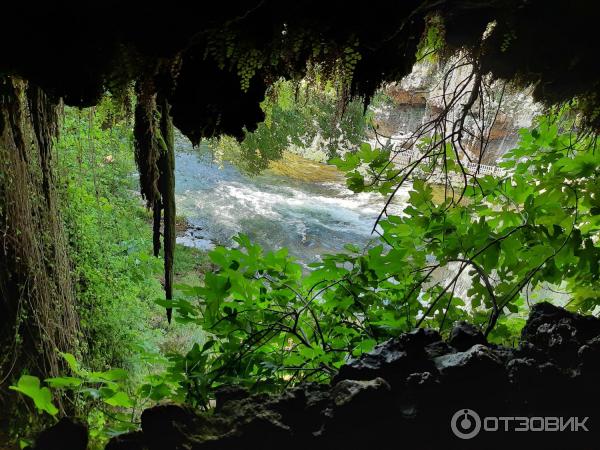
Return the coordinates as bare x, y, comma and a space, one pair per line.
309, 218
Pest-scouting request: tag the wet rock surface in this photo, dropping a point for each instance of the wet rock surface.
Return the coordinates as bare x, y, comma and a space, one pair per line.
405, 393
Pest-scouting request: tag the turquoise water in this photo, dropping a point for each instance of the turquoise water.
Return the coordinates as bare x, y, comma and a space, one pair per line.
307, 217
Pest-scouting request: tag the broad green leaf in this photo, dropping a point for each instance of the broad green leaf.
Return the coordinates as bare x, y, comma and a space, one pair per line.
119, 399
42, 397
63, 382
112, 375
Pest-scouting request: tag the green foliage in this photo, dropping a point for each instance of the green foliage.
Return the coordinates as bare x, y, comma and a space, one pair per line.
115, 273
106, 386
267, 325
509, 242
41, 396
266, 321
116, 279
226, 47
534, 230
309, 117
367, 162
105, 394
433, 39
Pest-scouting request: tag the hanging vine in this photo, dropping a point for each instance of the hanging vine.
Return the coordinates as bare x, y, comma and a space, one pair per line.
155, 158
38, 306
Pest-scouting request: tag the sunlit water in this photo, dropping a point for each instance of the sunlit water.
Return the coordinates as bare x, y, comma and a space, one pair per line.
309, 218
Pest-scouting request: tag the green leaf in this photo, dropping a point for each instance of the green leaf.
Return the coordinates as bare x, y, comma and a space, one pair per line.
350, 162
64, 382
111, 375
160, 391
352, 248
72, 362
355, 182
25, 443
119, 399
42, 397
364, 347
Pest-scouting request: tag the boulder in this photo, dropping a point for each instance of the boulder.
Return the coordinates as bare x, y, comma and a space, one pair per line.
465, 335
66, 434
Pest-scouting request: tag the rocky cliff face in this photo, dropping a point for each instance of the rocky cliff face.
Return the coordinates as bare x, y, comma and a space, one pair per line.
405, 393
428, 89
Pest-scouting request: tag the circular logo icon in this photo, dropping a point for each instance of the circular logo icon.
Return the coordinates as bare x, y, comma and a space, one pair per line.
465, 424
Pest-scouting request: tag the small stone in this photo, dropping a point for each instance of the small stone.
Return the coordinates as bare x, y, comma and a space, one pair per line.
421, 379
393, 359
436, 349
127, 441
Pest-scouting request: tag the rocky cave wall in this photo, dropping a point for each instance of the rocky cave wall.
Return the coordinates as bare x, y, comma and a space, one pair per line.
402, 394
76, 52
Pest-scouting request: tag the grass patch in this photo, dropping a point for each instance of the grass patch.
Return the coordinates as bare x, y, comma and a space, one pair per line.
190, 264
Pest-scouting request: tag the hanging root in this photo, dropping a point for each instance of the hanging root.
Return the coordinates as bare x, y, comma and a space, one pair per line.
155, 158
37, 305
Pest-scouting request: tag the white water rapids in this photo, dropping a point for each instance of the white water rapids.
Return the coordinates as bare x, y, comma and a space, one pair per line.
309, 218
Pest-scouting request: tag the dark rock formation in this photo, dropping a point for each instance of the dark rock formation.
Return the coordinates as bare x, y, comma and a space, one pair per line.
405, 394
558, 333
66, 434
87, 57
464, 336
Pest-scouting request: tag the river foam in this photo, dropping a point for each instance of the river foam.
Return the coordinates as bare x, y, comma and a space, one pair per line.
309, 218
